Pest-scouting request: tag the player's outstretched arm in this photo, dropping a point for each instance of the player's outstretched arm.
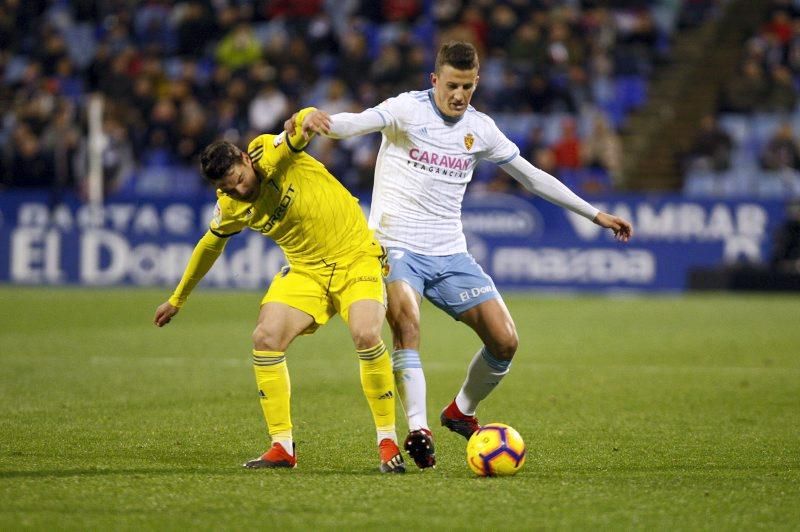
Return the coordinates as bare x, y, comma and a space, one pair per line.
205, 253
164, 313
543, 184
623, 230
338, 126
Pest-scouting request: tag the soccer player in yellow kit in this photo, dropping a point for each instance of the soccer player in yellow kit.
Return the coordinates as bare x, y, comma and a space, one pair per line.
334, 266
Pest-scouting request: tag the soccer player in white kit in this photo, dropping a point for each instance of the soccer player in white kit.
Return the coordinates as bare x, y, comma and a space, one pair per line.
432, 141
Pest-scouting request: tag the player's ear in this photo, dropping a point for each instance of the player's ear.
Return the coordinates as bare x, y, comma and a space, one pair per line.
246, 160
433, 78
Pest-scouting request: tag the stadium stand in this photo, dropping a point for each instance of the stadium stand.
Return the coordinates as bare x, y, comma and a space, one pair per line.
176, 75
759, 116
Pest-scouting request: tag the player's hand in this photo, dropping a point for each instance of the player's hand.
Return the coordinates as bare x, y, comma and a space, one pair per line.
316, 122
289, 126
164, 313
623, 230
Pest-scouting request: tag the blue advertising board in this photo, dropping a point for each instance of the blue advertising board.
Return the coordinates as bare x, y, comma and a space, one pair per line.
523, 243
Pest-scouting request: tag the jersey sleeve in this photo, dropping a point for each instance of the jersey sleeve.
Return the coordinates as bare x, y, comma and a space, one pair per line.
393, 111
223, 224
273, 149
388, 117
205, 253
499, 149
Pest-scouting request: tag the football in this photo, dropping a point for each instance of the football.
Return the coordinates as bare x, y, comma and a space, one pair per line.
496, 450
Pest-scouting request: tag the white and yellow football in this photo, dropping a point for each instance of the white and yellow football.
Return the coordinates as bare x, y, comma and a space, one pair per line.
496, 450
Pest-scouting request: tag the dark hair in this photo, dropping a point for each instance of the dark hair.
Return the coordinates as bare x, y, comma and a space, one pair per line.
218, 158
459, 55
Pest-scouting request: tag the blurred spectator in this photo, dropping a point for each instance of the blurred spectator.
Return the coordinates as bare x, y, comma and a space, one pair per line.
563, 49
355, 61
387, 69
567, 149
782, 150
578, 90
746, 93
401, 10
780, 27
527, 47
153, 26
268, 109
509, 97
534, 142
62, 138
161, 135
195, 27
782, 95
193, 133
240, 48
337, 98
539, 94
31, 166
786, 251
602, 148
711, 147
545, 159
503, 21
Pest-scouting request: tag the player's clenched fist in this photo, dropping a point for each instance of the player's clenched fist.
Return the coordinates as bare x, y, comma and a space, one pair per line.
164, 313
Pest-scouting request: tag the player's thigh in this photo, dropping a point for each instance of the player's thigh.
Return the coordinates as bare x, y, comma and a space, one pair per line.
406, 275
460, 285
358, 279
278, 325
304, 290
493, 323
365, 320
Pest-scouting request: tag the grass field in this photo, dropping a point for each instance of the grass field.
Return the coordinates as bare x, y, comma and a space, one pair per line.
642, 413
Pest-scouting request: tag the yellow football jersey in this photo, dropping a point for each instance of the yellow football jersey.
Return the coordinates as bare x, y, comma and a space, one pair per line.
301, 206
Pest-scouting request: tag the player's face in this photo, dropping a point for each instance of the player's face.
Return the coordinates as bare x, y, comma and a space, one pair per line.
241, 182
453, 89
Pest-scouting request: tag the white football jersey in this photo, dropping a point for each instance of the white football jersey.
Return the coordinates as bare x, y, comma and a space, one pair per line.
424, 164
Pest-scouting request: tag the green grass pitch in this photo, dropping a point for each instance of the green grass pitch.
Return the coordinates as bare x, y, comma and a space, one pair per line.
639, 413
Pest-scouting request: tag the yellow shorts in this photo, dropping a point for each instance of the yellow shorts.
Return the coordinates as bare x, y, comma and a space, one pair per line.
322, 292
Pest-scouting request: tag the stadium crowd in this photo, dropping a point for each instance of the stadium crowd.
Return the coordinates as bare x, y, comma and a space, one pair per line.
560, 76
750, 147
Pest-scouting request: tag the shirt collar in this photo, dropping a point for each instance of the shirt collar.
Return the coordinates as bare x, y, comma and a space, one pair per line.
448, 119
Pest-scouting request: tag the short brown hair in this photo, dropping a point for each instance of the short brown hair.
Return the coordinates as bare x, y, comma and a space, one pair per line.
218, 158
458, 54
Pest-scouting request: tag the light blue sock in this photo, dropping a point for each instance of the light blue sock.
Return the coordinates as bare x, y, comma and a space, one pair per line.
410, 381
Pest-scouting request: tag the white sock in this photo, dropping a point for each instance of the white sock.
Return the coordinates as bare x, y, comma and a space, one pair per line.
410, 381
484, 374
384, 433
286, 441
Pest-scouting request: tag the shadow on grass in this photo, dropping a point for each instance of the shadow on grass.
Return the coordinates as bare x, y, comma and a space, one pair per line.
145, 472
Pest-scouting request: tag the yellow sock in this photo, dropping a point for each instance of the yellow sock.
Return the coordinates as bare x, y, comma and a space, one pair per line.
377, 381
274, 390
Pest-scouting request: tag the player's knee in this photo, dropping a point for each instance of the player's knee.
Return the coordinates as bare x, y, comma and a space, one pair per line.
405, 333
266, 340
366, 339
505, 344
